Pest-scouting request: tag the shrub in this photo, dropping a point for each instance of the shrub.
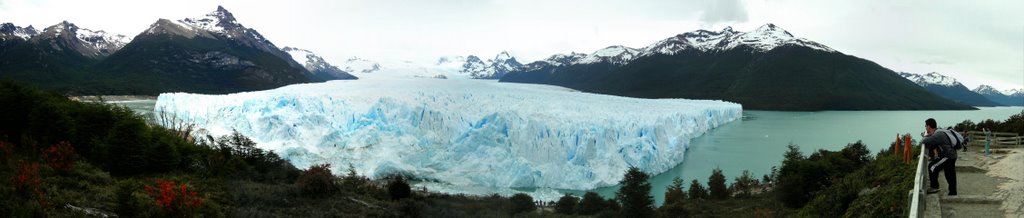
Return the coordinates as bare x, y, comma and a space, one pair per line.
398, 188
174, 200
591, 204
566, 204
634, 194
317, 181
27, 181
522, 202
60, 157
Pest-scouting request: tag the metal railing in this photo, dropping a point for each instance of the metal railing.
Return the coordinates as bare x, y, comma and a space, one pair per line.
917, 204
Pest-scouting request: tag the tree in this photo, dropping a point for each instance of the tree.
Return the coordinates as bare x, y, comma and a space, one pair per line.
521, 202
126, 147
634, 194
674, 192
566, 204
398, 188
744, 184
716, 185
591, 204
697, 190
858, 153
353, 182
317, 181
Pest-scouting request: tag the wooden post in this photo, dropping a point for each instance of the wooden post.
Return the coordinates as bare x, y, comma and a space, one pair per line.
896, 147
906, 148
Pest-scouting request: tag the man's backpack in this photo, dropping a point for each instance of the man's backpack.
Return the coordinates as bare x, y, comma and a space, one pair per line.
958, 141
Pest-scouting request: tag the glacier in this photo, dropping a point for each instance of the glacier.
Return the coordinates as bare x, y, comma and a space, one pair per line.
461, 132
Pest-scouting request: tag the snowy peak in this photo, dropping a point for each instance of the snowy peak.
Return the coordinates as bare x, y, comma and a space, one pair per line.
616, 54
318, 68
503, 56
986, 90
9, 30
932, 78
989, 90
762, 39
216, 21
88, 42
771, 30
1013, 92
502, 64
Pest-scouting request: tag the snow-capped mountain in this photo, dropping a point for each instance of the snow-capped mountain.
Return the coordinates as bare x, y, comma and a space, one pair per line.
1012, 97
213, 53
948, 88
10, 31
617, 54
495, 68
762, 39
766, 68
221, 24
470, 66
932, 78
316, 65
89, 43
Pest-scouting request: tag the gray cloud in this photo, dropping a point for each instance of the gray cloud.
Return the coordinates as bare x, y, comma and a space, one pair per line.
724, 11
934, 62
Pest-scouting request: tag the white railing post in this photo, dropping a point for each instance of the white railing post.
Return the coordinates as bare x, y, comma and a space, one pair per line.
916, 199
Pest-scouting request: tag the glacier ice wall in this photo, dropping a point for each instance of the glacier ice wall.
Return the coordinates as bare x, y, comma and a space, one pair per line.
462, 132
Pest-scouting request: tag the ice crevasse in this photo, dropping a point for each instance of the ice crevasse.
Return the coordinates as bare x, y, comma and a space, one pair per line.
461, 132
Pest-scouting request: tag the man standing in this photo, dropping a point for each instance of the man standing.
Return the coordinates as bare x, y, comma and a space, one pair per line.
943, 157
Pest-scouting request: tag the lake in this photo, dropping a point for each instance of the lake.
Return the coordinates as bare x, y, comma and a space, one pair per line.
757, 142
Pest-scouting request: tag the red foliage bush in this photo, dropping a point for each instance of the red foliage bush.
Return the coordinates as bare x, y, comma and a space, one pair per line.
27, 181
60, 157
174, 198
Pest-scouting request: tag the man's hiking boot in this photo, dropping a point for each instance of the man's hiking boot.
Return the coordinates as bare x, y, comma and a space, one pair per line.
932, 190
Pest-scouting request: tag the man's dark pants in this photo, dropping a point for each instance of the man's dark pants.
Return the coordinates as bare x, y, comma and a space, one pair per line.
948, 166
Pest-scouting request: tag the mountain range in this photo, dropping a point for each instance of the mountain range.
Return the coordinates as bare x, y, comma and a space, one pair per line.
470, 66
949, 88
209, 54
1013, 97
767, 68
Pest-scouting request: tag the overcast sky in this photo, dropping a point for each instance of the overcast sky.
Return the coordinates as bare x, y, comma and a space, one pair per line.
978, 42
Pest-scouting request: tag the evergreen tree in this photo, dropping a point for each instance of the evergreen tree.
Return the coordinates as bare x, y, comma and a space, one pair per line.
634, 194
674, 192
697, 190
716, 185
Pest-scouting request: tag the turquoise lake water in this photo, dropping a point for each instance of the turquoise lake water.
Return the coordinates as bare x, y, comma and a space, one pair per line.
757, 142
